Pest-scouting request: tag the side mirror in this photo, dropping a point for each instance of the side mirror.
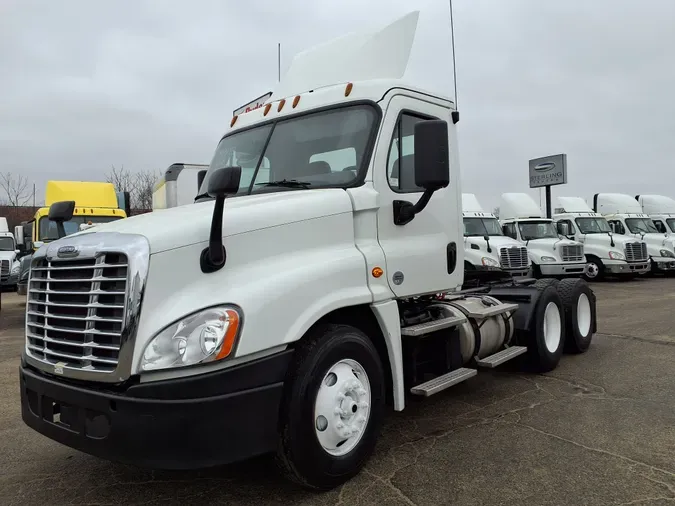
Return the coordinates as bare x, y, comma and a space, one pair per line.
60, 212
432, 167
563, 229
16, 251
223, 182
38, 244
18, 235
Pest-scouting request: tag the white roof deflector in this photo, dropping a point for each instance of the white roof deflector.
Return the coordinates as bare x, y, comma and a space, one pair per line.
383, 54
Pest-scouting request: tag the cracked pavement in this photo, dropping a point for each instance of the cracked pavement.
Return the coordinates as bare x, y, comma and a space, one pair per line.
599, 430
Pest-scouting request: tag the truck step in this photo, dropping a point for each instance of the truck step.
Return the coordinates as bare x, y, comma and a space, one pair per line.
489, 311
501, 356
439, 384
428, 327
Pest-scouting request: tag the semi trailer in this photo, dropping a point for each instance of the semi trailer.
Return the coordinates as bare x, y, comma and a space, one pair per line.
308, 298
178, 186
606, 253
626, 217
551, 254
661, 210
485, 245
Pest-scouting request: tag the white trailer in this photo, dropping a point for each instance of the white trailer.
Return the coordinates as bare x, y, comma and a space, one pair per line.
606, 252
485, 245
661, 210
283, 315
178, 186
552, 255
626, 217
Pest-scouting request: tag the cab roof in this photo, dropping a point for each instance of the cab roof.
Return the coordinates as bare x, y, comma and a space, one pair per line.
515, 206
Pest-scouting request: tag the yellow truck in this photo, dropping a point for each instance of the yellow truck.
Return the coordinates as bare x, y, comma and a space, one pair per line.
95, 203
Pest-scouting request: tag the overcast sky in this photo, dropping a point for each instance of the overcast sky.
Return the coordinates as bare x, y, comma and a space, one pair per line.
89, 84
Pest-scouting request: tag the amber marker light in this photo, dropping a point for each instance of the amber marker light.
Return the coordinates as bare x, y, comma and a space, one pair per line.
232, 322
282, 103
348, 89
233, 121
296, 100
267, 109
377, 272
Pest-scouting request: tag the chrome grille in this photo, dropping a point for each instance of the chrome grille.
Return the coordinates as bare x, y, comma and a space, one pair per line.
4, 270
75, 311
573, 253
636, 252
513, 258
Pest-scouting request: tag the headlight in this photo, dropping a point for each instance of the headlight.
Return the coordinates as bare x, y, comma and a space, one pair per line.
206, 336
489, 261
615, 255
667, 253
15, 269
548, 259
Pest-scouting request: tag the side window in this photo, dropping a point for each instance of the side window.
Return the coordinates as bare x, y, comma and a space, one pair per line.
510, 230
401, 161
660, 226
570, 226
617, 227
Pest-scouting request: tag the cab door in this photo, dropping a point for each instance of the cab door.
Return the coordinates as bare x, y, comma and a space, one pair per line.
425, 255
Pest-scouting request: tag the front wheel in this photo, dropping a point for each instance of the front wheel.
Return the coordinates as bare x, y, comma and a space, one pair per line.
594, 271
332, 408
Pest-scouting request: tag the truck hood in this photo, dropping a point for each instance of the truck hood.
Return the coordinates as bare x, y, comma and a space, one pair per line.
191, 224
659, 241
496, 242
7, 255
604, 240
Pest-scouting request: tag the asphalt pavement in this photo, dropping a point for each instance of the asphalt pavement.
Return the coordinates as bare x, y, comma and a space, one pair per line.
599, 430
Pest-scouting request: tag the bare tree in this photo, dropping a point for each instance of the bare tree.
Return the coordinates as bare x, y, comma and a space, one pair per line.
495, 211
139, 185
15, 189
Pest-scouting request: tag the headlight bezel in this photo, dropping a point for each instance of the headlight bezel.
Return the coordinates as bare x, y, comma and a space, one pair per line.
489, 262
616, 255
173, 341
547, 259
667, 253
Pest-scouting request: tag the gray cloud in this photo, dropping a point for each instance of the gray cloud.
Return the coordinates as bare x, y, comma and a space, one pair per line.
147, 83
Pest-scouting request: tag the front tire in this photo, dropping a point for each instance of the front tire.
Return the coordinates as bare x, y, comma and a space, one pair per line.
595, 270
332, 408
545, 339
578, 300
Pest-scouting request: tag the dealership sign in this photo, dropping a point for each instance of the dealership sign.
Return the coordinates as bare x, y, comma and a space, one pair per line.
548, 171
253, 105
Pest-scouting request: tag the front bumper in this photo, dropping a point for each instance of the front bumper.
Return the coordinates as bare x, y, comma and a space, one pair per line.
567, 269
663, 264
187, 423
619, 267
519, 273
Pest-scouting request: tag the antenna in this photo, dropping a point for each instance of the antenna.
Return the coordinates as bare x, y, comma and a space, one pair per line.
454, 64
279, 62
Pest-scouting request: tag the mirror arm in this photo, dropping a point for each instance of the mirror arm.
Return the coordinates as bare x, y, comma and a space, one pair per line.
404, 211
60, 229
213, 257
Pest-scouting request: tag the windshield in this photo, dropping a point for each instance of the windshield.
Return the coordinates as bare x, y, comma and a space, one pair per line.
671, 224
48, 232
593, 225
641, 226
6, 244
321, 150
479, 227
530, 230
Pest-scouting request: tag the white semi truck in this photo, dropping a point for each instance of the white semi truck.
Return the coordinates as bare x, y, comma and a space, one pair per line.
606, 253
485, 246
301, 303
551, 255
626, 217
178, 186
661, 210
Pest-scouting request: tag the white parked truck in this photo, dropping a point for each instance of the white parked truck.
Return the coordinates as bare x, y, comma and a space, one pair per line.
551, 254
178, 186
606, 253
485, 246
298, 303
9, 265
661, 210
626, 217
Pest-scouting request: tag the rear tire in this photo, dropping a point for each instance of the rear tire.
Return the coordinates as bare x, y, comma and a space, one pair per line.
540, 284
545, 339
578, 301
336, 380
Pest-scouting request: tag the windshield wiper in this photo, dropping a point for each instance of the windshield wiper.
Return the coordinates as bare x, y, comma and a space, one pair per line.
287, 183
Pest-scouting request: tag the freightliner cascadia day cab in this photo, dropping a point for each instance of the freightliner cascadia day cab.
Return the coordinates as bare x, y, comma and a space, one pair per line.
661, 210
9, 265
95, 202
178, 186
485, 245
307, 297
552, 255
626, 217
606, 253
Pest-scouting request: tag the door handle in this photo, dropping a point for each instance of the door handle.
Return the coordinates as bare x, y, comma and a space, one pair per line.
451, 253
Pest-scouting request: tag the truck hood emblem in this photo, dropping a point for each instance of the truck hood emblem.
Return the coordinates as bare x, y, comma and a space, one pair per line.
67, 252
